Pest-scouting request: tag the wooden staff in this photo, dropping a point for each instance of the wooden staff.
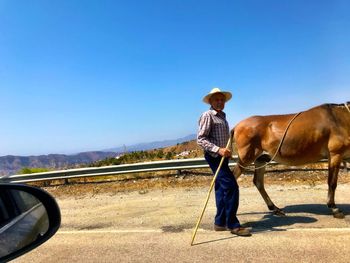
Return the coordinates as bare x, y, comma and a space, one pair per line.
209, 192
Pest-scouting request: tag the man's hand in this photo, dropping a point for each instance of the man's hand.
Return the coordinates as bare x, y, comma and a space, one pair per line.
224, 152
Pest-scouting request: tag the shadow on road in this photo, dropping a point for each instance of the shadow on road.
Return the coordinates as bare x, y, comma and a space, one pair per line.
317, 209
267, 223
270, 222
214, 240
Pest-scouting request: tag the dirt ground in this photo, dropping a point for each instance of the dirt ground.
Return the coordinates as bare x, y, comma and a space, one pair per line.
166, 201
152, 220
189, 179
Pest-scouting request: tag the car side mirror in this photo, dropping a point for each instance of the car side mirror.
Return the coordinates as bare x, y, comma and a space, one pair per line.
29, 216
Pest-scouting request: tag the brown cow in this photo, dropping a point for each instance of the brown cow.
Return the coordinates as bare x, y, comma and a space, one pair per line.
314, 134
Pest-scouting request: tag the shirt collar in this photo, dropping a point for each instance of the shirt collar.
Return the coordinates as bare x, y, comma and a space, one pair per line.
213, 111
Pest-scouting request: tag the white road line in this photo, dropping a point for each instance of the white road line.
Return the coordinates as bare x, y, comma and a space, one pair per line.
121, 231
320, 229
111, 231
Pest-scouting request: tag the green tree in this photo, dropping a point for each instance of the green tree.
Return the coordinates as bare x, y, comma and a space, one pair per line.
160, 153
169, 155
28, 170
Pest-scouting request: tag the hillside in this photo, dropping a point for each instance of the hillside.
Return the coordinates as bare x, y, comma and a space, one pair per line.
188, 149
151, 145
148, 151
12, 164
182, 148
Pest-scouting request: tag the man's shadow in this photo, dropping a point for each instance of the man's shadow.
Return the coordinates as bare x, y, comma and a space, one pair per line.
270, 222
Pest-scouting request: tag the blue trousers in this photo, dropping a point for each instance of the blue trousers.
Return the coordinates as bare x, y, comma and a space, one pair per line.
226, 193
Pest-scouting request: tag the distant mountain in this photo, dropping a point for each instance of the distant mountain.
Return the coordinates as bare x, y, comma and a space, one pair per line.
12, 164
151, 145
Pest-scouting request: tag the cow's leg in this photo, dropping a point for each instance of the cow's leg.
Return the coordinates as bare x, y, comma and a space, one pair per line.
246, 155
345, 167
333, 170
259, 183
237, 169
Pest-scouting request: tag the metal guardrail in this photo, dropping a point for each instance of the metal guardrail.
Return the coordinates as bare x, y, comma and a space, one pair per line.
180, 164
113, 170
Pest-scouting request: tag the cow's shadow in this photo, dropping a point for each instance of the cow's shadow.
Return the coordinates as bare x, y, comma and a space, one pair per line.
317, 209
271, 222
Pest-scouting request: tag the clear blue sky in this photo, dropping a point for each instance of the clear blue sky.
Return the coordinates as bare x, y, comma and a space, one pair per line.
90, 75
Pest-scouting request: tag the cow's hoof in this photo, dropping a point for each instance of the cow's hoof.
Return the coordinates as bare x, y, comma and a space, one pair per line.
278, 212
339, 215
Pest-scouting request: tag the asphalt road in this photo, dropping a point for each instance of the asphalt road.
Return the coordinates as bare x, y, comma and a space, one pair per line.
156, 226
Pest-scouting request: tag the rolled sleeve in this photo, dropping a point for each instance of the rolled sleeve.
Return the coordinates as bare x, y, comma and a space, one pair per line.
203, 139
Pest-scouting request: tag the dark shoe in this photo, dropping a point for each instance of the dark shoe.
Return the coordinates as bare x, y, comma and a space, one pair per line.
241, 231
219, 228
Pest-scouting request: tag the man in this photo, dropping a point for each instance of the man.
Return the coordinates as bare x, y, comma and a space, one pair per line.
213, 135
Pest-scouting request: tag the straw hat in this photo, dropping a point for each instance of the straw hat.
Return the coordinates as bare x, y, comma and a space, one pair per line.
227, 95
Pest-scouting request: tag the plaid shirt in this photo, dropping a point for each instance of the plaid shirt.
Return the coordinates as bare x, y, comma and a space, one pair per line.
213, 131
